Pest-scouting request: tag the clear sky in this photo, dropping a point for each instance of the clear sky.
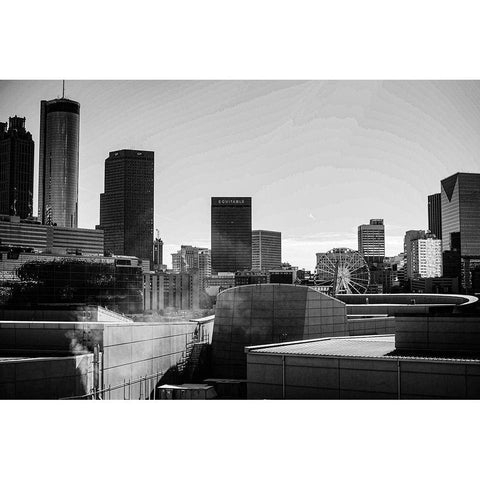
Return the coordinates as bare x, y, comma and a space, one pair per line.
319, 158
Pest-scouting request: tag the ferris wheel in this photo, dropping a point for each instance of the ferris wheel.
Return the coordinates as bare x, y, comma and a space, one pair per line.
342, 270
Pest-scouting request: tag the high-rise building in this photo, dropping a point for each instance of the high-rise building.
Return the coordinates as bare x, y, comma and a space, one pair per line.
193, 259
158, 253
58, 169
461, 227
16, 168
126, 206
266, 250
426, 257
408, 240
231, 234
435, 214
371, 241
461, 212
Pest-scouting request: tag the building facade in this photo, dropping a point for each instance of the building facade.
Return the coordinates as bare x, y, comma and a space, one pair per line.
59, 162
266, 250
461, 227
16, 168
126, 206
158, 254
409, 238
371, 241
435, 214
15, 232
231, 233
426, 256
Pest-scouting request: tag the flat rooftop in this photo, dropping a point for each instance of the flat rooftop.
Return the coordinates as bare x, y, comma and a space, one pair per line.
370, 346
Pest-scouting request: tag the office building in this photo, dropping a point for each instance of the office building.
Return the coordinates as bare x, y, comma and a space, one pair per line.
248, 277
371, 241
435, 214
461, 227
266, 250
426, 257
59, 162
158, 254
410, 237
17, 233
231, 234
16, 168
193, 259
30, 279
126, 206
461, 212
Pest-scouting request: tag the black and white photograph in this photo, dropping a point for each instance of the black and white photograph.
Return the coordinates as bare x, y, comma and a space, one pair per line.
278, 218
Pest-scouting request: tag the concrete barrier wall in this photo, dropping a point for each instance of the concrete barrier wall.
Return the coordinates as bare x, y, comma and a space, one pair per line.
46, 378
371, 326
438, 333
130, 350
344, 378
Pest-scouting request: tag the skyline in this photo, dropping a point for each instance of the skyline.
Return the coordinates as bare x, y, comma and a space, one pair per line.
357, 141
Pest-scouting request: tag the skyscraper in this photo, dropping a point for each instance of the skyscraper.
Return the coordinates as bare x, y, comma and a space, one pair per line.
266, 250
461, 212
461, 227
157, 253
371, 241
126, 206
58, 169
435, 214
231, 234
16, 168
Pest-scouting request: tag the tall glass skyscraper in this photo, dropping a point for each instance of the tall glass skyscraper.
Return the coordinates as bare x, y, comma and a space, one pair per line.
126, 207
16, 168
231, 230
461, 213
435, 214
58, 169
461, 228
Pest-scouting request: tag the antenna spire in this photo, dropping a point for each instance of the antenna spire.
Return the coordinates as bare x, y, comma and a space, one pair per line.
63, 88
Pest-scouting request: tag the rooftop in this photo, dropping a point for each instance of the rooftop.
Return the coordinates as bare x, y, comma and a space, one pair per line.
370, 346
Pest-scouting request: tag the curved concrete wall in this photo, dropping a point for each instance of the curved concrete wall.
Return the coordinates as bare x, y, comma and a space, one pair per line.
269, 313
407, 299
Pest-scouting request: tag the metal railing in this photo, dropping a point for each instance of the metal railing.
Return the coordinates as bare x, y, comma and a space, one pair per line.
146, 382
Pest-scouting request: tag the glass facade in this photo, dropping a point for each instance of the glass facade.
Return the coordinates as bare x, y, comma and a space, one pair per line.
16, 169
435, 214
33, 279
59, 150
126, 206
231, 234
461, 213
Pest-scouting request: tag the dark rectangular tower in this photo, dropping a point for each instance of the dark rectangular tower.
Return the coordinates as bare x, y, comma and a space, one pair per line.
16, 168
58, 167
126, 206
231, 230
435, 214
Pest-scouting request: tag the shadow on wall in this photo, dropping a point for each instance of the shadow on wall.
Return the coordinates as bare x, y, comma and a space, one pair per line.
269, 313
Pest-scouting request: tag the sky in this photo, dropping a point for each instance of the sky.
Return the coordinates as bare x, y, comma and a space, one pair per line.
318, 158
